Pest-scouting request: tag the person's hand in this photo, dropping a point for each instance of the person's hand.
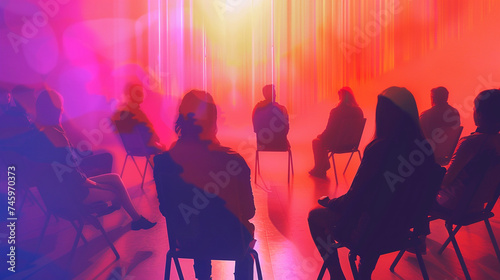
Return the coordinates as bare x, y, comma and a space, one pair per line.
323, 201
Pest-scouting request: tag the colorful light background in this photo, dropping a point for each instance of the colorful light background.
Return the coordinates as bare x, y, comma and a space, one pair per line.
89, 49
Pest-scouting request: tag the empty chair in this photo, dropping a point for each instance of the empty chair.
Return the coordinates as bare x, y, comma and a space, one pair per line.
346, 140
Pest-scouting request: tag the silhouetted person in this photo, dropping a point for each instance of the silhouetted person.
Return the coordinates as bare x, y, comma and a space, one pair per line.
441, 115
270, 122
346, 111
379, 180
484, 141
59, 172
204, 190
13, 119
129, 118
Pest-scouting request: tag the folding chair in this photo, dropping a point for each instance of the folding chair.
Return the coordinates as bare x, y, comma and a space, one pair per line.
346, 140
443, 152
271, 128
60, 205
135, 147
390, 231
462, 216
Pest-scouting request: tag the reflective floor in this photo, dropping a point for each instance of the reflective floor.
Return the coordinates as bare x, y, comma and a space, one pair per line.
284, 245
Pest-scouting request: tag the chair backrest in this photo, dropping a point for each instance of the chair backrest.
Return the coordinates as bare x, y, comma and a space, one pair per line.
444, 151
197, 225
388, 227
132, 140
271, 127
347, 136
477, 172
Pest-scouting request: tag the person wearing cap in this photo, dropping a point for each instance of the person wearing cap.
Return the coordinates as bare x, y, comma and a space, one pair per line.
346, 111
377, 179
441, 115
204, 190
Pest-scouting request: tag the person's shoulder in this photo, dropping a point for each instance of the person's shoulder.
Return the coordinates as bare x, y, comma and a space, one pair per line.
227, 153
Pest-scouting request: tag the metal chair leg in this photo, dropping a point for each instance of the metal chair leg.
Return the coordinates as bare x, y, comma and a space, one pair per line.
257, 165
168, 266
452, 235
103, 232
255, 256
75, 243
457, 251
492, 238
83, 237
144, 173
136, 166
123, 168
334, 168
354, 268
47, 220
421, 263
396, 260
178, 267
347, 165
322, 271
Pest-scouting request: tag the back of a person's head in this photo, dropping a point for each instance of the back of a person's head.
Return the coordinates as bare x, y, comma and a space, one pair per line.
346, 97
197, 115
49, 107
397, 115
439, 95
269, 92
487, 110
134, 93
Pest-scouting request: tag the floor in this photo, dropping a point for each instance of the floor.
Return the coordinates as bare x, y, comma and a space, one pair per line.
284, 245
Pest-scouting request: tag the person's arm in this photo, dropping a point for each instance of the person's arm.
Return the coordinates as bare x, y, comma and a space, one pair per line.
330, 126
465, 151
246, 198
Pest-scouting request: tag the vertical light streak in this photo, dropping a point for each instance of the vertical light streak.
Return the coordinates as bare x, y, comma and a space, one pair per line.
272, 44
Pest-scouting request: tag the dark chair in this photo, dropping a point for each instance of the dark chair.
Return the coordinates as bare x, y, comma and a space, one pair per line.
346, 140
462, 216
271, 128
61, 205
135, 147
389, 230
443, 152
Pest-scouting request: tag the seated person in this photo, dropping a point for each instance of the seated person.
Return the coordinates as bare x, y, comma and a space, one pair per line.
378, 182
59, 171
441, 115
270, 122
204, 190
485, 140
346, 111
129, 118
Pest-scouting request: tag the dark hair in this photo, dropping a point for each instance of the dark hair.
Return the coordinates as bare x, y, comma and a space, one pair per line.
346, 97
397, 116
49, 106
439, 95
197, 107
269, 92
487, 108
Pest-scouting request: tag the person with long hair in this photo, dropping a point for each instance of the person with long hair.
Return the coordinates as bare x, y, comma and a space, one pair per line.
51, 147
380, 175
204, 190
346, 111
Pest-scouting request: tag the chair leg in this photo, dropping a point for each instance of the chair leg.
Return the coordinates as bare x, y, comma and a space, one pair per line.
452, 235
75, 243
421, 263
322, 271
83, 237
354, 268
289, 165
334, 168
144, 173
123, 168
457, 251
257, 165
396, 260
178, 267
255, 256
47, 220
359, 154
168, 265
111, 245
492, 238
136, 166
347, 165
30, 194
